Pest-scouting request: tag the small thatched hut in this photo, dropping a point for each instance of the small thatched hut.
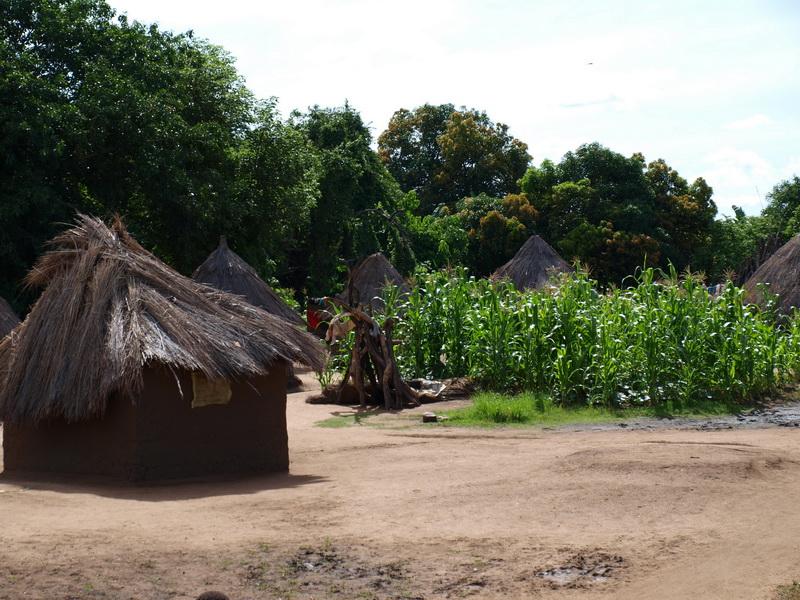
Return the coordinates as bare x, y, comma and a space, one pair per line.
782, 272
532, 265
368, 281
8, 318
126, 368
227, 271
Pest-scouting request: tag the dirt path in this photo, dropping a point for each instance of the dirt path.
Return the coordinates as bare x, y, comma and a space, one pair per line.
434, 512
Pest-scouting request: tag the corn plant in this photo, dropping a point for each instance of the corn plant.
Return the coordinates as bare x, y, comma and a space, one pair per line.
660, 339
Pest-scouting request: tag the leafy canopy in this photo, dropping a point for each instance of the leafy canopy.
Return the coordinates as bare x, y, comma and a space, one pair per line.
444, 154
99, 114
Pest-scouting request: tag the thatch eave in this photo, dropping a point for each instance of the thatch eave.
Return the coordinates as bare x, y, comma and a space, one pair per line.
8, 318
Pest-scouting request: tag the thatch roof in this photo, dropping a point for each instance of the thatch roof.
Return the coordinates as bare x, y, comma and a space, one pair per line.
782, 272
227, 271
368, 281
8, 318
532, 265
111, 308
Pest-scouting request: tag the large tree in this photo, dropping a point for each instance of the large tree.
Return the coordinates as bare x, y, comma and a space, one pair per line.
684, 215
783, 206
99, 114
615, 215
357, 197
445, 155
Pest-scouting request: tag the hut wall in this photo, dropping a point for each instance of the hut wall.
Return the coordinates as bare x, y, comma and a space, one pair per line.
98, 446
162, 436
246, 435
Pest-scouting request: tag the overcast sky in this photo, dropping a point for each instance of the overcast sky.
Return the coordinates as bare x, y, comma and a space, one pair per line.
712, 87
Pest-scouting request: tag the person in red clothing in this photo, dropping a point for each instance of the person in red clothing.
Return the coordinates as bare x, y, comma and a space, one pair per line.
318, 316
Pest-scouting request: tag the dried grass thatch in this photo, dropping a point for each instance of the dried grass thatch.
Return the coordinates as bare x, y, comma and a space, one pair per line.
109, 309
227, 271
8, 318
767, 246
532, 265
782, 272
368, 281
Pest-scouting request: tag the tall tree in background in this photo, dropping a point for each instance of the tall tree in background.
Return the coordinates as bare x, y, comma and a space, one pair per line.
445, 155
410, 148
352, 182
783, 207
684, 215
277, 190
101, 115
616, 216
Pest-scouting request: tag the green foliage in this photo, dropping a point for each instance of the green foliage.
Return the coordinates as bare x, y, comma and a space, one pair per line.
734, 239
783, 207
610, 213
277, 189
684, 214
662, 341
104, 115
440, 241
445, 154
352, 181
410, 150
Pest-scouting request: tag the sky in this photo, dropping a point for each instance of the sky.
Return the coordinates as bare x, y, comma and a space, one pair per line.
712, 87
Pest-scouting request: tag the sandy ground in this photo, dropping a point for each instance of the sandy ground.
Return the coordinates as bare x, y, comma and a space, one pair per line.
411, 511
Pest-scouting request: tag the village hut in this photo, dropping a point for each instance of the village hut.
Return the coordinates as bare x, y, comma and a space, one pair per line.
227, 271
781, 272
128, 369
8, 318
533, 265
368, 281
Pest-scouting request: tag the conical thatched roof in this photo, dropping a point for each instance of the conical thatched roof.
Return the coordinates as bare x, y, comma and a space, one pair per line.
368, 281
532, 265
227, 271
111, 308
8, 318
782, 272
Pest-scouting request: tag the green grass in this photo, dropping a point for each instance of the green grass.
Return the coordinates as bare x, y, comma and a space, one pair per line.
788, 592
345, 421
539, 409
530, 409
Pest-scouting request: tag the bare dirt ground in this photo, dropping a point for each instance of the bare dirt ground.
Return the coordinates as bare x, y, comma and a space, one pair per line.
652, 510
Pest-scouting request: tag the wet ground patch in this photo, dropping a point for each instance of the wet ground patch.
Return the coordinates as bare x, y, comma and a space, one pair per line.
581, 569
325, 572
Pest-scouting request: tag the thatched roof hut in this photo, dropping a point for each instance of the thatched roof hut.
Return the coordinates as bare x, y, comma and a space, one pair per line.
368, 281
532, 265
8, 318
782, 272
227, 271
116, 340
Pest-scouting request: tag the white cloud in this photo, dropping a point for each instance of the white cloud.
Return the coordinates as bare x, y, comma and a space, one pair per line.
750, 123
730, 166
792, 168
740, 178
